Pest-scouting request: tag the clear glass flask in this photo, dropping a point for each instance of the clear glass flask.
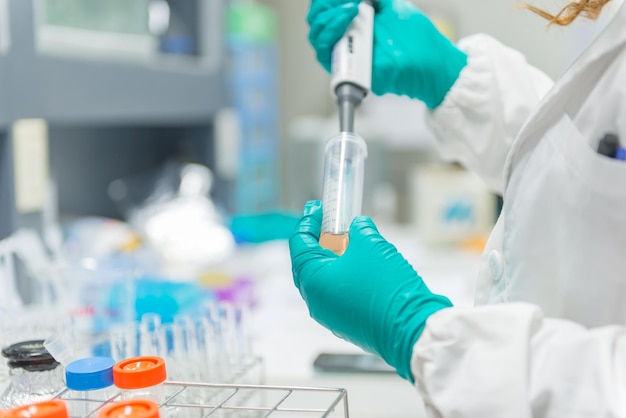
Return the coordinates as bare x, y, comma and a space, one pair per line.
35, 374
342, 190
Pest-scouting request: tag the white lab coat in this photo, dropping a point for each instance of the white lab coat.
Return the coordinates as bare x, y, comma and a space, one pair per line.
552, 342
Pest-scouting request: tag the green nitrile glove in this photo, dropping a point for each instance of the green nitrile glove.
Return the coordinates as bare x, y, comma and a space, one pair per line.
370, 296
411, 57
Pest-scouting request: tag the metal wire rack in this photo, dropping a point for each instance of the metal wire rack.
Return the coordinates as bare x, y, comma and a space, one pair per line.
200, 400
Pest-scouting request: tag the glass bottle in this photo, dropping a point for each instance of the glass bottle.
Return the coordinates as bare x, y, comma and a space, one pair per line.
35, 374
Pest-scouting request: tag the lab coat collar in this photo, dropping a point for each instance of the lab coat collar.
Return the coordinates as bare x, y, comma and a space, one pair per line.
571, 89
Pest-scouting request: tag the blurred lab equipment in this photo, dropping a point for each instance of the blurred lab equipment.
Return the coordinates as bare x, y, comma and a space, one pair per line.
450, 205
35, 374
213, 345
26, 272
98, 300
31, 294
176, 37
91, 380
173, 212
263, 227
248, 154
111, 27
342, 189
100, 263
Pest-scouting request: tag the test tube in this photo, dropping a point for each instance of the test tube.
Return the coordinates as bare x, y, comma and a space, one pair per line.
141, 378
186, 349
135, 408
90, 381
211, 370
150, 342
342, 190
123, 341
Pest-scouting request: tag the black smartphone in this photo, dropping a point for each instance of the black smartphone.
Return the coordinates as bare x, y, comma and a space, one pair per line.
351, 363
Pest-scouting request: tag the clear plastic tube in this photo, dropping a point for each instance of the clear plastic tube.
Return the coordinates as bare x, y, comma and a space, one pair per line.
150, 337
90, 383
124, 341
141, 378
211, 367
342, 190
186, 349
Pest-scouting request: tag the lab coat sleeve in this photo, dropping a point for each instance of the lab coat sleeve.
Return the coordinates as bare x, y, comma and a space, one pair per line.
509, 361
482, 113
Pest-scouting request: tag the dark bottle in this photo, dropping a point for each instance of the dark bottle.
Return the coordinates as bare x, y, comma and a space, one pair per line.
35, 375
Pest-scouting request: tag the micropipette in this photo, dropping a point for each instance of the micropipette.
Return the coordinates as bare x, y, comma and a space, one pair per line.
352, 65
345, 154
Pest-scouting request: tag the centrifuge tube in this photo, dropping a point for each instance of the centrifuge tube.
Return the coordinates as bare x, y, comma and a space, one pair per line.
141, 378
342, 190
90, 381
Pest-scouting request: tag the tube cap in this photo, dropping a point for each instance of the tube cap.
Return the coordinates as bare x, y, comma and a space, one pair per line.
29, 355
90, 373
133, 408
139, 372
55, 408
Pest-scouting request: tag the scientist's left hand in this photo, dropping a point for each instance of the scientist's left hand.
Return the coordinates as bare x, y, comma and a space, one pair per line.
370, 296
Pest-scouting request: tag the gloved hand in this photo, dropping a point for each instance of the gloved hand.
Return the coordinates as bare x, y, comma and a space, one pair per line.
411, 57
370, 296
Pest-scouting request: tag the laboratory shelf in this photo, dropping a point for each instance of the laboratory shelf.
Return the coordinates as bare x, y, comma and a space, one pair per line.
82, 91
69, 85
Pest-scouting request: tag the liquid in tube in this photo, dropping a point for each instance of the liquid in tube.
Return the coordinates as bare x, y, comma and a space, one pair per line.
337, 243
342, 190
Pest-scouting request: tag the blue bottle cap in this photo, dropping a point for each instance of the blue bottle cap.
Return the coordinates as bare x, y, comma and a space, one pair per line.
90, 373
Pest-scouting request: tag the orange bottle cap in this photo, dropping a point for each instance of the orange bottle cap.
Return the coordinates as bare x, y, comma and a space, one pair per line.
139, 372
55, 408
133, 408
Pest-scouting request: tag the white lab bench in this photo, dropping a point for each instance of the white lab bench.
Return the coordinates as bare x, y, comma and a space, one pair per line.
289, 340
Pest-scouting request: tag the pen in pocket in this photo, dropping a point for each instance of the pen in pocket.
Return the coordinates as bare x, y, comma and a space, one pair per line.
609, 146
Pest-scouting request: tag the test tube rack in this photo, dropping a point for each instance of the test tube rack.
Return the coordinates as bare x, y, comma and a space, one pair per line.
200, 400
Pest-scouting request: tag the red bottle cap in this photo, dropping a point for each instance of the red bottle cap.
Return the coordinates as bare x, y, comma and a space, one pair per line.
133, 408
139, 372
55, 408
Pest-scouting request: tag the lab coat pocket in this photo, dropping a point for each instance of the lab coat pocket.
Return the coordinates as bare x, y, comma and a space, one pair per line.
597, 173
564, 229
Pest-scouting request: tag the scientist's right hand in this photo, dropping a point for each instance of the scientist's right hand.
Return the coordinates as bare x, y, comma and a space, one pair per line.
370, 296
411, 57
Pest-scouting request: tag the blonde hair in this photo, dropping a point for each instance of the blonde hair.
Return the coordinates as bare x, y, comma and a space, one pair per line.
587, 8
